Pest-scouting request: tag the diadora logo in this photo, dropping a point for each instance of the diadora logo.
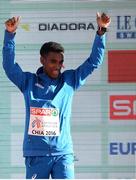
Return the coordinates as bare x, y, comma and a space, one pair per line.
60, 26
123, 107
65, 26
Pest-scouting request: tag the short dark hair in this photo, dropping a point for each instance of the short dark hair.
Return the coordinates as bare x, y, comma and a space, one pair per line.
51, 47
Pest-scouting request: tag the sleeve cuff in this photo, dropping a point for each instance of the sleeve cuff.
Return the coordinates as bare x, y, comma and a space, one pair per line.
100, 36
9, 35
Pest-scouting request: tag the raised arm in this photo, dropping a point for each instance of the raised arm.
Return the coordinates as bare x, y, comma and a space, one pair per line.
12, 69
97, 54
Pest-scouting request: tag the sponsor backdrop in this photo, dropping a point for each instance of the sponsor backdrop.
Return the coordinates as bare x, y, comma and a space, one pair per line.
104, 110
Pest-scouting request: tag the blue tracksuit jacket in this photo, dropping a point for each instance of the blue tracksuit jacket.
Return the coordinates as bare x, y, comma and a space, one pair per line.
43, 92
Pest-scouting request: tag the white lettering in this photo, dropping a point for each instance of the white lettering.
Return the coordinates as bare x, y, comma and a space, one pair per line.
122, 107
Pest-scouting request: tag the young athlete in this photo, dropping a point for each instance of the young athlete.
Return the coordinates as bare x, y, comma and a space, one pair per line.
48, 94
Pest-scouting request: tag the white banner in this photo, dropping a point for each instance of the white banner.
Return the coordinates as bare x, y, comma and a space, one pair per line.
74, 26
123, 25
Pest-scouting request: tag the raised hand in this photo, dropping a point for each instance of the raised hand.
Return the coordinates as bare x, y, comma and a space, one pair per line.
103, 20
12, 24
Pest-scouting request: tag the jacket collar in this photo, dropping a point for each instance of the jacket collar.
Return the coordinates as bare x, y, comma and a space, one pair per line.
42, 76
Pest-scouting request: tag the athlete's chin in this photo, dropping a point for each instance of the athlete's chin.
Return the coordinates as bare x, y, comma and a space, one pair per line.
55, 75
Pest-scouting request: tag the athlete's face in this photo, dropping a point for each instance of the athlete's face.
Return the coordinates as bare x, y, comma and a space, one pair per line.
52, 64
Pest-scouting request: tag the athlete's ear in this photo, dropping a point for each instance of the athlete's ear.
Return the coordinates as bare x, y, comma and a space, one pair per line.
42, 60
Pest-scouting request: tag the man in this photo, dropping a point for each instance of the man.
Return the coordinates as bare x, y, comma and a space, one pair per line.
48, 94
